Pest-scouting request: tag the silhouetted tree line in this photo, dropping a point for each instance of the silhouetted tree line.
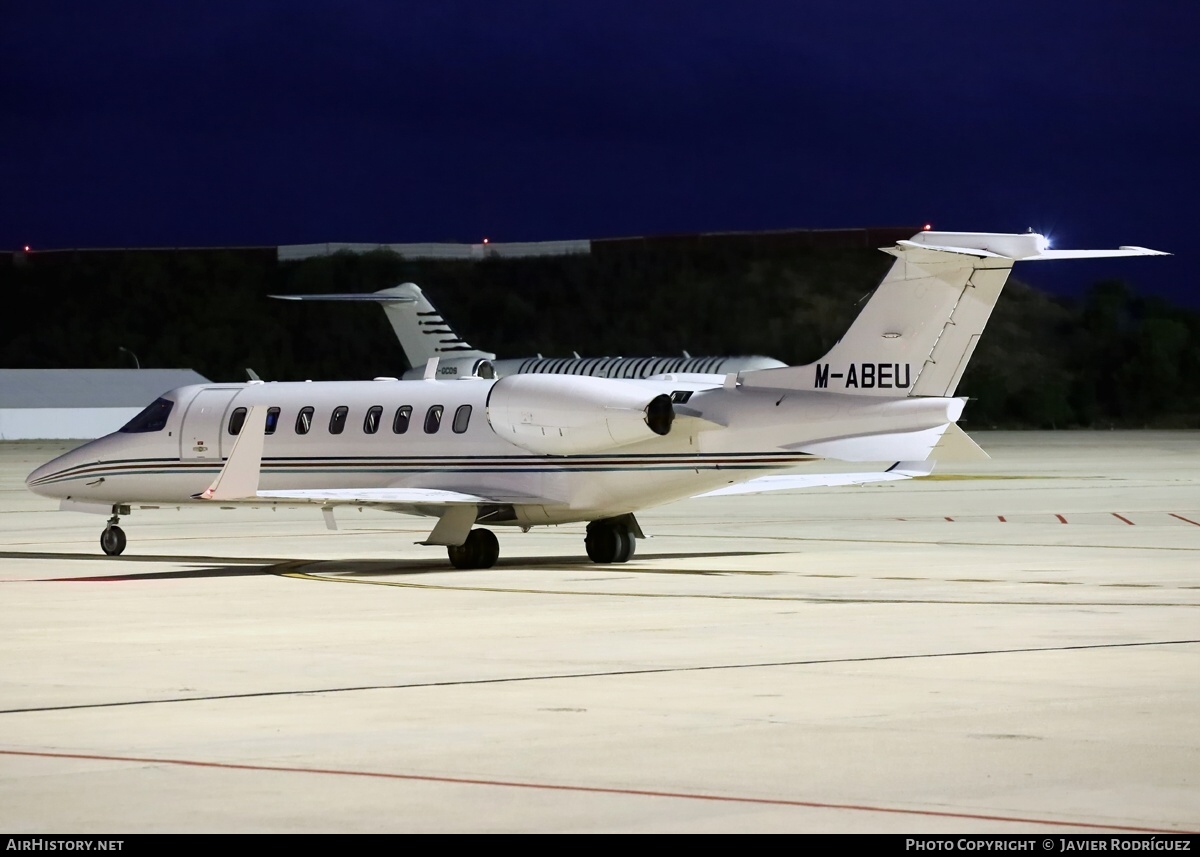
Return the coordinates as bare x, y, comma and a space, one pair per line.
1110, 359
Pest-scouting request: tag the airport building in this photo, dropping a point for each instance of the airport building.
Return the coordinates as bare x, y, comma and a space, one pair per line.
77, 404
772, 239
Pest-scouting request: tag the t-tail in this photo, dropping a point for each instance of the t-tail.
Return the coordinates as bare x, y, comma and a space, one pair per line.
918, 331
423, 333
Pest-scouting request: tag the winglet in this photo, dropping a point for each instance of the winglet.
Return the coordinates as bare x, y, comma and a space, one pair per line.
238, 479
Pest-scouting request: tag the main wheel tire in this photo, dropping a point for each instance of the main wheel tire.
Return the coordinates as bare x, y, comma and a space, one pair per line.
112, 540
603, 543
480, 550
460, 556
485, 547
628, 544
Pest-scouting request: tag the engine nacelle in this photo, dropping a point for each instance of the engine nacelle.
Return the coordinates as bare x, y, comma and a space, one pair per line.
452, 368
575, 414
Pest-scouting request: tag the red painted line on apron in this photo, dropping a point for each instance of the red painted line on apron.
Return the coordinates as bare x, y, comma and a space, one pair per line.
287, 769
1180, 517
1123, 518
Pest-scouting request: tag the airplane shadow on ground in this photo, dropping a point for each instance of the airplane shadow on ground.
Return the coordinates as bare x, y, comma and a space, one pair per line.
213, 567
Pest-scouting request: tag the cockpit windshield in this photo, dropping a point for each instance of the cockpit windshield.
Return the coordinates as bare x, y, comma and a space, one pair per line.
153, 418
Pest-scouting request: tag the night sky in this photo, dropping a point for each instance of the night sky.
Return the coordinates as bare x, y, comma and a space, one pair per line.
245, 123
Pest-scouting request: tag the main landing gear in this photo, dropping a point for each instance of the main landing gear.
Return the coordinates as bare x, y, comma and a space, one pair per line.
480, 550
612, 539
112, 539
609, 540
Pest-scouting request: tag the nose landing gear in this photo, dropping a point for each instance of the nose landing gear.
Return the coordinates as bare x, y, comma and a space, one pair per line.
112, 539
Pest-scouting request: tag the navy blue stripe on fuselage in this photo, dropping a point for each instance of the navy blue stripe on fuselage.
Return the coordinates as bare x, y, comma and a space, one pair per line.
428, 464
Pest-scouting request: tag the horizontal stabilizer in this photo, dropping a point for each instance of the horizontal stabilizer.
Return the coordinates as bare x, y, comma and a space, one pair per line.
786, 482
1050, 255
372, 297
1017, 247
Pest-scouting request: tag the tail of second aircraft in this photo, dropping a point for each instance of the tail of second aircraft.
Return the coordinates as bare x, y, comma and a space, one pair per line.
423, 333
918, 331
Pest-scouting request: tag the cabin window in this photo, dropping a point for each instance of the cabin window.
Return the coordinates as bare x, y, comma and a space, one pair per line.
236, 420
433, 419
304, 420
371, 420
337, 420
152, 418
461, 417
272, 421
400, 422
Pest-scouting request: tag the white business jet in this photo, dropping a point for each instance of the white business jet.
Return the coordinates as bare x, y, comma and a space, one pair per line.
425, 335
531, 450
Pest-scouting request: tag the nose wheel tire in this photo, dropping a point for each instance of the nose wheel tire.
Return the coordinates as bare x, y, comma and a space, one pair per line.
112, 540
480, 550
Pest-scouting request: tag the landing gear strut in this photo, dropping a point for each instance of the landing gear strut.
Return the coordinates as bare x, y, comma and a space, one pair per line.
610, 540
112, 540
480, 550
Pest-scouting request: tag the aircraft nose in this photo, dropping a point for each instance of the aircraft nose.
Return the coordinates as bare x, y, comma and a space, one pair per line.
48, 481
35, 481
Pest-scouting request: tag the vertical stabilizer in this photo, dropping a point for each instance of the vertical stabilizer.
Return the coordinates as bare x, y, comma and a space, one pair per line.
420, 327
422, 331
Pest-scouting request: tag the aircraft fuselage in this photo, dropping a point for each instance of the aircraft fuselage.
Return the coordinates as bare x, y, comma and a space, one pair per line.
448, 436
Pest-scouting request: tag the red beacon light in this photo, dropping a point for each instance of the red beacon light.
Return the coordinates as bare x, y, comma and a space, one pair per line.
926, 227
485, 240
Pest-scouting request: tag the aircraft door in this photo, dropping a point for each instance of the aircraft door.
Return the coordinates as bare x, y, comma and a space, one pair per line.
200, 437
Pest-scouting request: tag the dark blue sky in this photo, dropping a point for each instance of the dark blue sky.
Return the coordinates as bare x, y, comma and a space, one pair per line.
241, 123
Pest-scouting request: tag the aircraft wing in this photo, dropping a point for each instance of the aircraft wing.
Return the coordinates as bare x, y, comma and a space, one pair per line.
456, 511
370, 297
393, 497
785, 482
